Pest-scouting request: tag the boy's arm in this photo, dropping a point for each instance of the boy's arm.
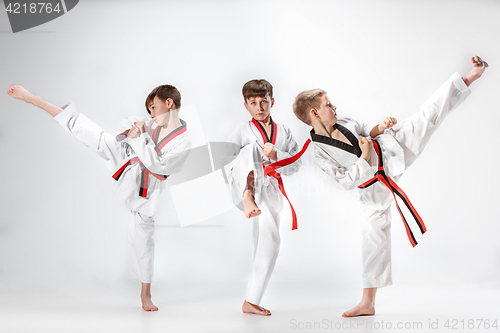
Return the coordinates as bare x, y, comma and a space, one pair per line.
347, 178
291, 149
166, 164
344, 178
380, 128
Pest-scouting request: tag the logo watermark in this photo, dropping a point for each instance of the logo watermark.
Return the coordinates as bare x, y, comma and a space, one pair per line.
28, 14
430, 324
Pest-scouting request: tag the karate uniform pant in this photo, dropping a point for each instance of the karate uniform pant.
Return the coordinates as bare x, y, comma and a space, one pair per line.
266, 246
141, 231
141, 227
412, 134
265, 237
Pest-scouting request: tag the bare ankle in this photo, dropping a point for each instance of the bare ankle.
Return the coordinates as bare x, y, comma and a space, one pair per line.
35, 100
248, 193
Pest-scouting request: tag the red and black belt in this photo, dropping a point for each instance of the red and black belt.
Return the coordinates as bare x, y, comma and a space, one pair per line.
380, 176
270, 171
143, 190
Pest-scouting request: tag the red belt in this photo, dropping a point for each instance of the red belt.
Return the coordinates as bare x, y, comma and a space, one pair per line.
394, 188
143, 191
270, 171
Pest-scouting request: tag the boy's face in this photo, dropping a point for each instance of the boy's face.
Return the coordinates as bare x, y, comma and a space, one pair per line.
326, 111
259, 107
159, 110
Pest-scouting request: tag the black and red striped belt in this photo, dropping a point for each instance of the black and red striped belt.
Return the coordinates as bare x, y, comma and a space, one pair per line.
143, 190
380, 176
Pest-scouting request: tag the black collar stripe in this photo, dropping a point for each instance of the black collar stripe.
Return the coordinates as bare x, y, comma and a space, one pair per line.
352, 148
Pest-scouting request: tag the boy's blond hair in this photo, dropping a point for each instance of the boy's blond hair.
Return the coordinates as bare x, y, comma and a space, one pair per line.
305, 101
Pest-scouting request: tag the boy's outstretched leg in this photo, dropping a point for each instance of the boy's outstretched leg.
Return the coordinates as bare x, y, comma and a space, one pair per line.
147, 304
414, 133
479, 66
250, 208
366, 307
22, 94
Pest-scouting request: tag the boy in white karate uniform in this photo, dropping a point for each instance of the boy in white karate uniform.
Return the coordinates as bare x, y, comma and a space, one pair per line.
262, 142
141, 157
347, 158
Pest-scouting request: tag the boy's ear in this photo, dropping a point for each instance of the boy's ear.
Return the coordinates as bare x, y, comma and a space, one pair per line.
170, 103
246, 106
313, 114
272, 102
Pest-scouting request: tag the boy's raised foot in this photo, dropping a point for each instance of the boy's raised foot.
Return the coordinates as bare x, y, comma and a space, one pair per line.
255, 309
361, 309
479, 66
249, 206
19, 92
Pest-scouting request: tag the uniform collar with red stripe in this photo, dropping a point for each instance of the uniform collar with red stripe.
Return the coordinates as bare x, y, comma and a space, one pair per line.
172, 135
263, 133
352, 148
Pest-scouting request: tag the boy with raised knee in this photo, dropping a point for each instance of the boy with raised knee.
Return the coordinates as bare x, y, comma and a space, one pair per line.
262, 142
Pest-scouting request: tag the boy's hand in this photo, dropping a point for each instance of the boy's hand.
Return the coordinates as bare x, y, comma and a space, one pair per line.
366, 148
269, 150
134, 132
387, 123
141, 126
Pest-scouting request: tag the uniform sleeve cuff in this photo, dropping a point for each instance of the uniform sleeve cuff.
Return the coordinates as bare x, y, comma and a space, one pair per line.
65, 115
364, 167
459, 83
280, 155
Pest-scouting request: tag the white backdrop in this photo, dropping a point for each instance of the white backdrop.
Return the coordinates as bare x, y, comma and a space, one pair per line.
62, 228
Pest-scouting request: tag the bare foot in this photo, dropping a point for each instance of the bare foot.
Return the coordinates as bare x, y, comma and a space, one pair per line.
19, 92
361, 309
147, 304
249, 206
479, 67
255, 309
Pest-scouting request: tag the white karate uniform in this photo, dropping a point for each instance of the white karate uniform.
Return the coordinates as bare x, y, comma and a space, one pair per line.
117, 150
400, 146
266, 238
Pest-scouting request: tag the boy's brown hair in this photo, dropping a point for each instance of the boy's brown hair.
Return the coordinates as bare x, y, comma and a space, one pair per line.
305, 101
163, 92
257, 88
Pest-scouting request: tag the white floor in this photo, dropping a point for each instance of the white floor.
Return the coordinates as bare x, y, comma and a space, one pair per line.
296, 308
